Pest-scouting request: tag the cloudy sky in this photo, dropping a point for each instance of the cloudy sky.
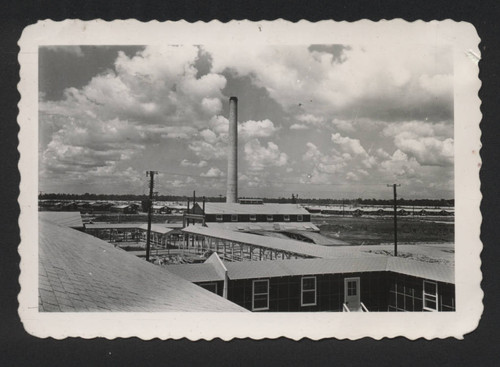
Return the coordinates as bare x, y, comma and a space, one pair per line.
315, 120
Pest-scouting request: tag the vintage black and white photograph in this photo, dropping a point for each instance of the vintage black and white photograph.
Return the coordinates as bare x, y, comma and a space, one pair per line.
311, 176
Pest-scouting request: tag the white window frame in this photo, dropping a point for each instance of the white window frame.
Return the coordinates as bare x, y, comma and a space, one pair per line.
259, 294
219, 217
308, 290
286, 218
300, 218
234, 217
270, 218
253, 217
429, 296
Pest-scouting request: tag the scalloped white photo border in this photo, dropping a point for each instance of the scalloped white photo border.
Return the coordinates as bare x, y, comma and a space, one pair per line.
463, 39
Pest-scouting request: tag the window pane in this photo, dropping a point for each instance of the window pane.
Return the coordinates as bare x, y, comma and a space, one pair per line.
430, 287
308, 283
430, 304
401, 301
409, 303
260, 287
260, 301
351, 288
308, 297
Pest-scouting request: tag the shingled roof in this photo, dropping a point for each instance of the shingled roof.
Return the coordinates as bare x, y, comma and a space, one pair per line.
279, 268
66, 219
78, 272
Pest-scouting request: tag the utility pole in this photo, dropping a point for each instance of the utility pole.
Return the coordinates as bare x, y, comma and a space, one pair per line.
395, 218
151, 175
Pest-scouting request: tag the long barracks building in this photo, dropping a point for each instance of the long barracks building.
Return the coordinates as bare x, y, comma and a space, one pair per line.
310, 277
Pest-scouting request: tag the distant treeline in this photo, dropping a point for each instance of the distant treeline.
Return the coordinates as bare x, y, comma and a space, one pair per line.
358, 201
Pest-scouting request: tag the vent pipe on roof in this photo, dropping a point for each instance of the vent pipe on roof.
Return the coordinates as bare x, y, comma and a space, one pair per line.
232, 158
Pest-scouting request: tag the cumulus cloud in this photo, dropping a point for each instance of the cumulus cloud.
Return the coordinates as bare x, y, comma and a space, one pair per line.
376, 80
299, 127
152, 95
260, 157
200, 164
207, 150
311, 119
348, 145
399, 165
256, 129
213, 172
343, 125
428, 143
324, 163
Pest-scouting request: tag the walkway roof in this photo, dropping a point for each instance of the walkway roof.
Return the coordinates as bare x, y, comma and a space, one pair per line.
158, 228
288, 245
78, 272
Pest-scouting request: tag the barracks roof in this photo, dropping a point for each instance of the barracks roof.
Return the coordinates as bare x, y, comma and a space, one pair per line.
78, 272
279, 268
66, 219
236, 208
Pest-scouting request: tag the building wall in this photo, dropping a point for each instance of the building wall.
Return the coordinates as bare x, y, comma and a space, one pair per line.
380, 291
406, 293
245, 218
285, 292
219, 285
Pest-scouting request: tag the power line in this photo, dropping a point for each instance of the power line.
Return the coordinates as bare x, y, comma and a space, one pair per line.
223, 178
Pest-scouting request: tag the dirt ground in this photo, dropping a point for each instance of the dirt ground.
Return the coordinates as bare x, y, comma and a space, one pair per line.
380, 230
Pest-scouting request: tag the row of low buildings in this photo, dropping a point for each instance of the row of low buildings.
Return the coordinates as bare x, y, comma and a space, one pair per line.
380, 211
264, 257
98, 207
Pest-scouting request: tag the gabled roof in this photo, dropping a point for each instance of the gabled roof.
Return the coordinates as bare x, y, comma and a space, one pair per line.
236, 208
205, 272
78, 272
66, 219
299, 267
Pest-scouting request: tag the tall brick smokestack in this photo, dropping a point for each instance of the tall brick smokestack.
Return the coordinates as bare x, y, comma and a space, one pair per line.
232, 156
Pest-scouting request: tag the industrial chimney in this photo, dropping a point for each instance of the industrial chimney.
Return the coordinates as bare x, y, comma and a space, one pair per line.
232, 157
